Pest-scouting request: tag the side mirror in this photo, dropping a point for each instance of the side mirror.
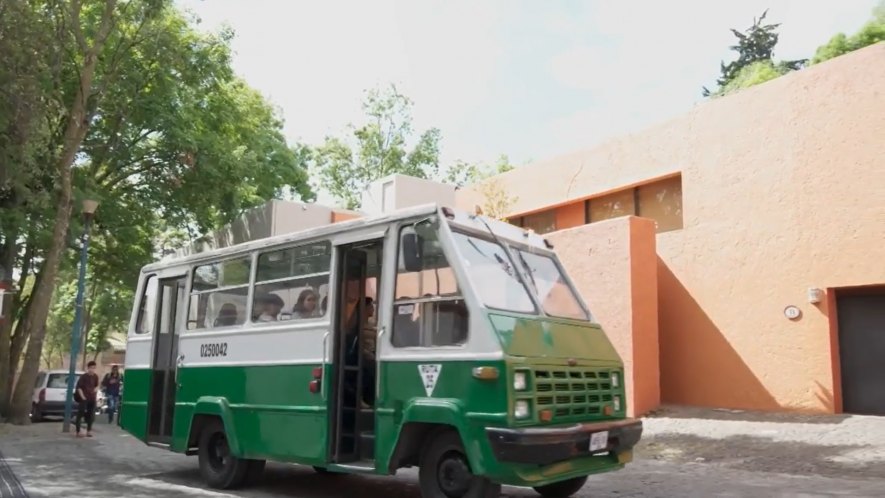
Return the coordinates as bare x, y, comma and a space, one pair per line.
413, 252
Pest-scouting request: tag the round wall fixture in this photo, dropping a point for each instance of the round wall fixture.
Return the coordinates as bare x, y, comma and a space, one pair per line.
792, 312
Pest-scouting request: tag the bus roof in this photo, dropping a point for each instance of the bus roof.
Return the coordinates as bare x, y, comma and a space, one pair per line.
333, 228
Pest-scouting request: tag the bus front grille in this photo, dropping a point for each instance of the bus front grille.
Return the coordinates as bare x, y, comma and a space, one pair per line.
572, 393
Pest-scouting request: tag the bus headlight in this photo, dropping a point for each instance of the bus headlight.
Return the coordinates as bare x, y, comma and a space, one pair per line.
616, 400
521, 409
616, 381
519, 381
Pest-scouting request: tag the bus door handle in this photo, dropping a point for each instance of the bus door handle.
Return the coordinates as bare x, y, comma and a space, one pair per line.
323, 366
378, 342
178, 362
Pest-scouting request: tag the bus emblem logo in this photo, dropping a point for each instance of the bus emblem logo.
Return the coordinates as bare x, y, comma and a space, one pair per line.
429, 375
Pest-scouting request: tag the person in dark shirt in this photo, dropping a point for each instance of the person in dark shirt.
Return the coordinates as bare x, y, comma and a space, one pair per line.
111, 386
87, 387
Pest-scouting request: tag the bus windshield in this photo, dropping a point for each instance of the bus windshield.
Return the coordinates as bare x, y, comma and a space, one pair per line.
493, 276
552, 289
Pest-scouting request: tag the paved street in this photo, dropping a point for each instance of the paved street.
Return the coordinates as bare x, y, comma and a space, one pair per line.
685, 453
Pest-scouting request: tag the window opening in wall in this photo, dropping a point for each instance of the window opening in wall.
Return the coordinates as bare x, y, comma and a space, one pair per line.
662, 202
543, 222
613, 205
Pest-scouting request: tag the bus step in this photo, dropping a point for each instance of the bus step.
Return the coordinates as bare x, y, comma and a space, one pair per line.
360, 467
367, 445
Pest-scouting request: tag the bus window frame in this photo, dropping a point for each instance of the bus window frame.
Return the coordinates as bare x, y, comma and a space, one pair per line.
142, 298
189, 287
253, 282
519, 274
510, 245
462, 294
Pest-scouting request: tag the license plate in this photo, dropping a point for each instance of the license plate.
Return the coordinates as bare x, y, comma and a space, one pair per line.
598, 441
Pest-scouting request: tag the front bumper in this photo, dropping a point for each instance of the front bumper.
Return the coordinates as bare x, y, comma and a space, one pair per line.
548, 445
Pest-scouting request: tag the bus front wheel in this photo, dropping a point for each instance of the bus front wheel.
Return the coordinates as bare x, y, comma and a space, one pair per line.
445, 472
220, 469
562, 489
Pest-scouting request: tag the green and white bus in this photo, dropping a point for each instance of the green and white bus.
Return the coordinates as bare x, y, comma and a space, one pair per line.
428, 337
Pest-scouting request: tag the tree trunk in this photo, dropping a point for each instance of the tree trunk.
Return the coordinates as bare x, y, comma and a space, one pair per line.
35, 319
10, 249
20, 334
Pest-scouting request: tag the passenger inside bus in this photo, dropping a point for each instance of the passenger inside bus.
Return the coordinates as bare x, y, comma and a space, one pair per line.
271, 306
227, 316
306, 306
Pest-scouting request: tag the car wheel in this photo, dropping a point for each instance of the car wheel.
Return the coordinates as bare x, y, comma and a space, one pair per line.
562, 489
445, 472
36, 416
219, 468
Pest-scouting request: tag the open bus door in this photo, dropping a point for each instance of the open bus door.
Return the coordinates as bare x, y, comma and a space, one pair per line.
165, 359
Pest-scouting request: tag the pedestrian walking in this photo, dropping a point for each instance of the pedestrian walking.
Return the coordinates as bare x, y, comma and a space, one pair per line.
111, 386
87, 389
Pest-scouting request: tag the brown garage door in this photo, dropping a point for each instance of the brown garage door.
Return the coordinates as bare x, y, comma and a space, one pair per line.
862, 352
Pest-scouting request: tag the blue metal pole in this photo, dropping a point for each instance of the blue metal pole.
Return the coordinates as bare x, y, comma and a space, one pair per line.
75, 333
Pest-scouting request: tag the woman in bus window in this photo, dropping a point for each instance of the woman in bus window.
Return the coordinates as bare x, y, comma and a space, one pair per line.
306, 306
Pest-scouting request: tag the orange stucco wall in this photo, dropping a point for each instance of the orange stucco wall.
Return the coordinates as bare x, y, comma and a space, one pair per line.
614, 268
783, 187
570, 216
338, 216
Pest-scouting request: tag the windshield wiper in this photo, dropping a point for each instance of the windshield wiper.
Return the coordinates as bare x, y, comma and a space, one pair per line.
528, 269
504, 264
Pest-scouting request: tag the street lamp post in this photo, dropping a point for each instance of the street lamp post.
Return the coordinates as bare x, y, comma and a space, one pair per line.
89, 207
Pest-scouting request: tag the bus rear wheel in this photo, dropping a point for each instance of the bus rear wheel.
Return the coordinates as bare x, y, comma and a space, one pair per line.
445, 472
562, 489
220, 469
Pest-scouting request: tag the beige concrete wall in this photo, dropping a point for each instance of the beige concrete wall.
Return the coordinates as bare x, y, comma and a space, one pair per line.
614, 267
783, 187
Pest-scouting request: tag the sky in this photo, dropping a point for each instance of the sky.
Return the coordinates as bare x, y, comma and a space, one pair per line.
530, 79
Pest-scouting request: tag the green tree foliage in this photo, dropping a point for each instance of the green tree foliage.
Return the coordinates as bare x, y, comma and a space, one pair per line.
754, 74
871, 33
755, 45
135, 108
382, 146
495, 200
464, 173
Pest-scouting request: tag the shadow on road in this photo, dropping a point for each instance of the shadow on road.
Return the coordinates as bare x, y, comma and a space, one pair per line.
303, 482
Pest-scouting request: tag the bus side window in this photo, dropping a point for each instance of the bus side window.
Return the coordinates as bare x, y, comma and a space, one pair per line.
291, 284
219, 289
144, 324
428, 308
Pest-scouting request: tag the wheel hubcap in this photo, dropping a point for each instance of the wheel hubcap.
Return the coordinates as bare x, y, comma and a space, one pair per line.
218, 452
454, 475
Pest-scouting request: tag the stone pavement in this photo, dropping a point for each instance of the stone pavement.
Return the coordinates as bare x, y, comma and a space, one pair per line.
685, 453
10, 487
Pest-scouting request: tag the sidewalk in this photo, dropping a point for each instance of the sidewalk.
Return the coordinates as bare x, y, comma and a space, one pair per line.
51, 463
827, 445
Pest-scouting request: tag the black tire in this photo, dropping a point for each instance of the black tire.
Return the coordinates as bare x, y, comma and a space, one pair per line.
562, 489
445, 471
36, 416
254, 471
219, 468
